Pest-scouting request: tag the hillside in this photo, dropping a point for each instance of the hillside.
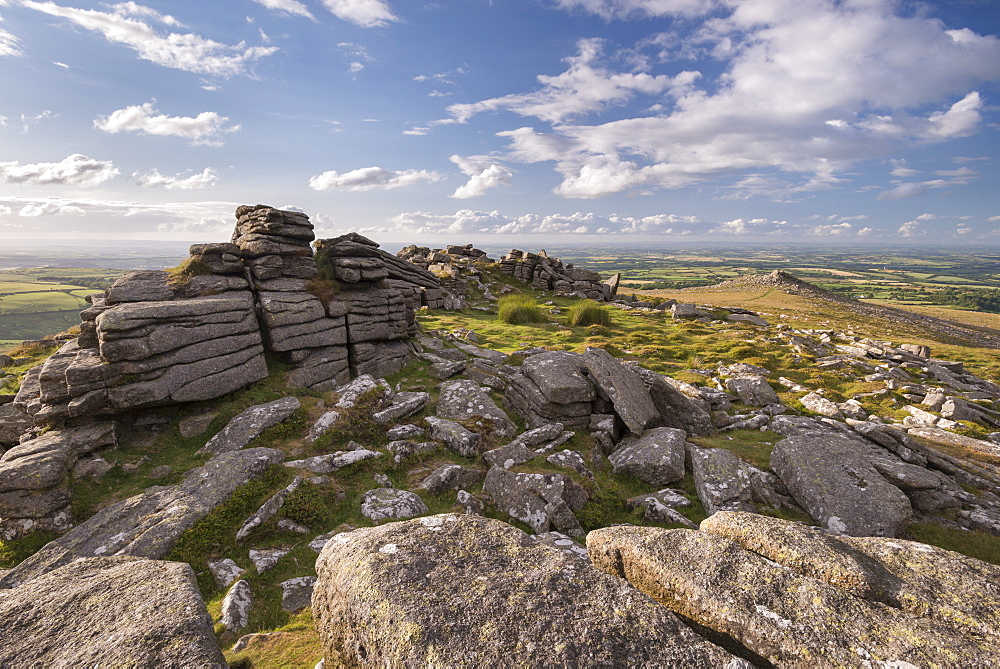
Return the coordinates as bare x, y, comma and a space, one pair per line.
796, 298
373, 458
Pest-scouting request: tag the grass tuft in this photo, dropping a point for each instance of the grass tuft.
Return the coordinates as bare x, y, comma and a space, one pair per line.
519, 310
588, 313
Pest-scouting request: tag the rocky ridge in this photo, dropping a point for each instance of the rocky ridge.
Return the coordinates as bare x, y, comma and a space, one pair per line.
724, 593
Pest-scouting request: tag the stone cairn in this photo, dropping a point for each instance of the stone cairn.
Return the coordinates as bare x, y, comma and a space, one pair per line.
544, 273
196, 333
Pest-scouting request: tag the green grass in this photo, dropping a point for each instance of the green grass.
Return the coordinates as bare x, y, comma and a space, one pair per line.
976, 544
753, 446
519, 310
585, 313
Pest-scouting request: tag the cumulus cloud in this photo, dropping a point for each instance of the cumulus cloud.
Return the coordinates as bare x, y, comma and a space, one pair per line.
365, 13
189, 52
288, 6
483, 174
808, 88
371, 178
205, 128
356, 55
182, 181
910, 229
74, 170
583, 88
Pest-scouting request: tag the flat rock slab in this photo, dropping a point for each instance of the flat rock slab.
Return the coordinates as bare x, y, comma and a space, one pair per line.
248, 425
542, 501
465, 399
753, 390
830, 477
775, 612
461, 590
657, 457
108, 612
559, 376
391, 504
622, 388
149, 524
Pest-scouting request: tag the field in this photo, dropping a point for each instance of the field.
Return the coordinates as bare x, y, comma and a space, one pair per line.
954, 279
44, 301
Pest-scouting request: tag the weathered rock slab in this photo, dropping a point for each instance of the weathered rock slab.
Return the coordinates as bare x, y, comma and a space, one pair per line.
461, 590
248, 425
108, 611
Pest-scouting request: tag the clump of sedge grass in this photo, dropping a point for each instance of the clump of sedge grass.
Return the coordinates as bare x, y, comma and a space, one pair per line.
588, 313
519, 310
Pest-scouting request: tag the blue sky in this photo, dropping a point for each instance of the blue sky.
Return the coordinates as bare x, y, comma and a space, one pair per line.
624, 121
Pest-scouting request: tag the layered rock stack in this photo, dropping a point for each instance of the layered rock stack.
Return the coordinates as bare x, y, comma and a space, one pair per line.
153, 338
544, 273
297, 324
156, 338
377, 295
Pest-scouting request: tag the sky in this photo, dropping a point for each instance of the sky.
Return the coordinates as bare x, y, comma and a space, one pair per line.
863, 122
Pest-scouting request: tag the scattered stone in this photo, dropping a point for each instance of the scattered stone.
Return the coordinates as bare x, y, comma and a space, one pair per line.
264, 559
149, 524
93, 467
542, 501
391, 504
753, 390
451, 477
623, 389
327, 464
562, 542
247, 426
657, 457
236, 606
296, 593
570, 460
287, 525
404, 432
224, 571
403, 405
818, 404
464, 400
514, 453
322, 425
469, 502
403, 449
267, 510
454, 436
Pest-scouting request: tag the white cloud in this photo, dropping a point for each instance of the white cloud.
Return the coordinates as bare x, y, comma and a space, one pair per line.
5, 210
809, 88
183, 181
371, 178
365, 13
205, 128
483, 174
50, 209
180, 51
625, 9
357, 56
28, 121
74, 170
9, 44
288, 6
582, 88
417, 131
961, 119
910, 229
